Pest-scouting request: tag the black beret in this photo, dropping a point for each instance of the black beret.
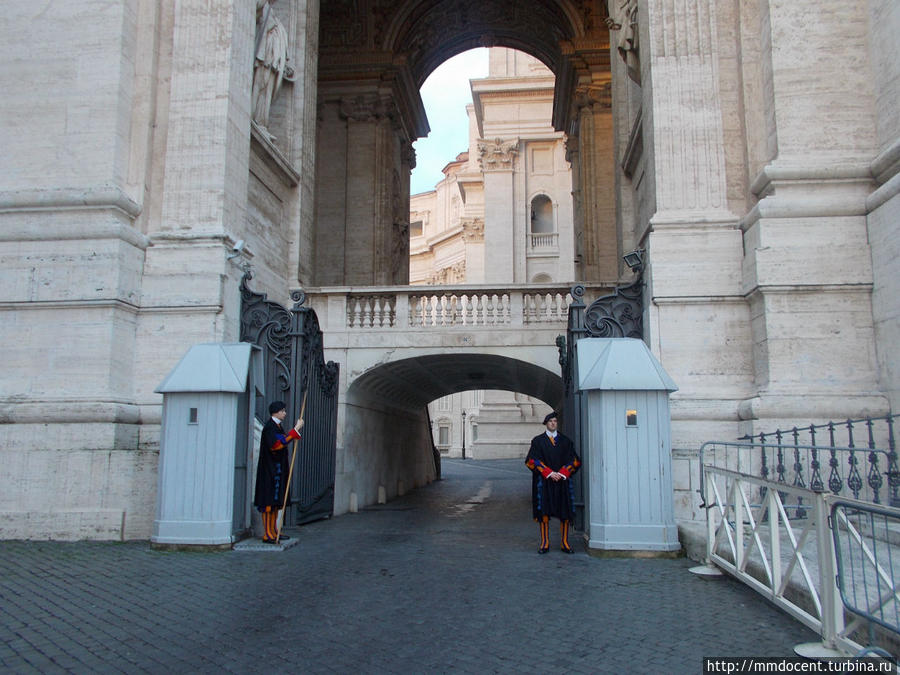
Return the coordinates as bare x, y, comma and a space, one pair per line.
550, 416
276, 406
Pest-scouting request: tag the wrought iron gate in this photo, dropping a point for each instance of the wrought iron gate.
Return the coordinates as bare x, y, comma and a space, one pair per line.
619, 314
291, 342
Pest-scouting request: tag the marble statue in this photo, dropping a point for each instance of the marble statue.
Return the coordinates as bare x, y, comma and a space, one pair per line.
270, 63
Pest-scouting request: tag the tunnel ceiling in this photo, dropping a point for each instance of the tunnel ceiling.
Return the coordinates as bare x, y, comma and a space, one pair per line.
413, 383
422, 34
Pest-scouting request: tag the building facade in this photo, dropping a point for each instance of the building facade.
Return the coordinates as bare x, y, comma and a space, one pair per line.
532, 210
751, 148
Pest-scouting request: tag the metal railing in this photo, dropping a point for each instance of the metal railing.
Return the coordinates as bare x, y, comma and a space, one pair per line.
860, 437
868, 564
847, 471
767, 524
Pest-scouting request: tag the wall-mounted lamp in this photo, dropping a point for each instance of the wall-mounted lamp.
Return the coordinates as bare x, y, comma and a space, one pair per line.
635, 260
236, 249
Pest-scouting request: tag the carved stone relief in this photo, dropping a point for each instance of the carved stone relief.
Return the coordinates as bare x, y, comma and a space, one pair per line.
497, 154
473, 229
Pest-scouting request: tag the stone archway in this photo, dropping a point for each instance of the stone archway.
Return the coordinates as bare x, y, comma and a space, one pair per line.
371, 64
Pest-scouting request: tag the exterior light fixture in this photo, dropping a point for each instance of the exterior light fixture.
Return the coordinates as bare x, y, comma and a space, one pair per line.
635, 260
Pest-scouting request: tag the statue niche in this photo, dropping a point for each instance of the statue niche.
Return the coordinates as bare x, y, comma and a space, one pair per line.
270, 64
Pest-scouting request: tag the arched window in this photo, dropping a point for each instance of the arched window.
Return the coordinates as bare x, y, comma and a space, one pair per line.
542, 215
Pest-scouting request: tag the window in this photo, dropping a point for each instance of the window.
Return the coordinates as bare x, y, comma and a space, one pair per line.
542, 215
415, 229
444, 435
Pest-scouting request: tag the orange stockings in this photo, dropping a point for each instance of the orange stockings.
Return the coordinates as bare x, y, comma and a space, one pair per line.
270, 524
544, 524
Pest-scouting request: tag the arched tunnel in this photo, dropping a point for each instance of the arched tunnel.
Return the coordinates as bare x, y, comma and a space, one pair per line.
386, 446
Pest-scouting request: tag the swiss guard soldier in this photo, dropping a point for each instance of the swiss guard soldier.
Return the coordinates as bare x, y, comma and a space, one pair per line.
272, 470
552, 460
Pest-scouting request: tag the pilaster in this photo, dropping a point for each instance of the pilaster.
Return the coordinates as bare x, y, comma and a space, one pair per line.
363, 162
497, 157
807, 269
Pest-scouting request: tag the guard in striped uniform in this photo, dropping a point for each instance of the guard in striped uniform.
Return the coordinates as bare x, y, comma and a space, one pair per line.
272, 470
552, 460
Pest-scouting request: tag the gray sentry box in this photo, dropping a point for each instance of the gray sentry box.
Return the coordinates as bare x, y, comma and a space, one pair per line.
626, 434
208, 404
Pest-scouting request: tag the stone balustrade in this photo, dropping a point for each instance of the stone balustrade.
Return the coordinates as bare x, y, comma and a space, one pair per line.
544, 240
436, 307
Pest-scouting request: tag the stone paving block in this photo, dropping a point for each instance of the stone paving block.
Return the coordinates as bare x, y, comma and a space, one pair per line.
400, 588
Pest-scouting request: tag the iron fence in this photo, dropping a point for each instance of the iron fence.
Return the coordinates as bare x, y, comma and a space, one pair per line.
862, 474
865, 440
783, 539
868, 564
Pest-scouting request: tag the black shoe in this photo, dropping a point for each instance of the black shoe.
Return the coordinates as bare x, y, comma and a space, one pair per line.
566, 549
284, 537
542, 551
269, 541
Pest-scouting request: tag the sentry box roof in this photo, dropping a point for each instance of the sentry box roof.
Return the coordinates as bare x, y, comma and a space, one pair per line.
210, 367
620, 364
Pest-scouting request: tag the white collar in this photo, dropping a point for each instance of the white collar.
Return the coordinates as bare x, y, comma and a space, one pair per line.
276, 420
551, 434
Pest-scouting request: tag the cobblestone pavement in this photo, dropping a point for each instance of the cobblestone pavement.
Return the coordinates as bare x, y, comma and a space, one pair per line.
443, 580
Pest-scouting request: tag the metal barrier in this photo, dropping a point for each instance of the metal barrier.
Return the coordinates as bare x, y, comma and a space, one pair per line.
866, 560
877, 432
771, 530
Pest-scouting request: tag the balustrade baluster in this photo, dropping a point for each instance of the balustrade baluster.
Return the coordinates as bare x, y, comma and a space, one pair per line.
489, 309
434, 302
442, 308
416, 315
380, 310
467, 309
779, 467
874, 477
893, 469
835, 482
798, 473
480, 319
764, 469
357, 312
815, 481
506, 303
854, 480
368, 312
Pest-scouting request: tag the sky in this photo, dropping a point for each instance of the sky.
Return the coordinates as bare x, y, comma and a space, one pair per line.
445, 94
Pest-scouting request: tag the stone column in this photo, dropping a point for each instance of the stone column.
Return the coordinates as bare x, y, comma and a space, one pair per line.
808, 264
596, 176
692, 239
73, 122
362, 224
188, 296
497, 159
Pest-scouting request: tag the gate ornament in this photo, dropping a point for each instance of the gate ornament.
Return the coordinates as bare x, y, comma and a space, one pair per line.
619, 314
292, 348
